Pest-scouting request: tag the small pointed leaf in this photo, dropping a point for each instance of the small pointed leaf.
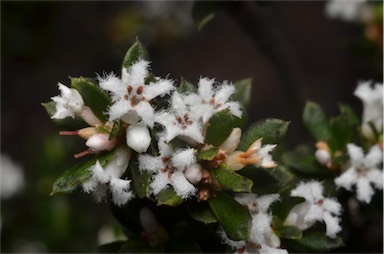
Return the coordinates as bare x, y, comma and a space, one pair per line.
95, 98
168, 197
231, 180
186, 87
135, 53
140, 179
201, 212
316, 121
209, 154
233, 217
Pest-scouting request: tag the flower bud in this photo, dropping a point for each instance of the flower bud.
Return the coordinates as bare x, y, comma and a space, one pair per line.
89, 117
86, 133
323, 156
148, 221
100, 142
73, 97
194, 173
232, 141
119, 162
138, 138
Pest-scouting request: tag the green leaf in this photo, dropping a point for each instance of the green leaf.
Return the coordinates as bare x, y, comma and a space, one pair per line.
203, 12
243, 91
219, 127
287, 232
271, 130
201, 212
73, 178
168, 197
135, 53
66, 123
316, 121
95, 98
186, 87
303, 161
208, 155
316, 242
229, 179
140, 246
233, 217
116, 131
140, 179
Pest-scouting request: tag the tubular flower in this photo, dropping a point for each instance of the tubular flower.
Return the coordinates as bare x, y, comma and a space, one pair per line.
131, 95
315, 208
363, 172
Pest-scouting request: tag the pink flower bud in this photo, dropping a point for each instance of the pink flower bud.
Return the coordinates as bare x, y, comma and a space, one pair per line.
100, 142
138, 138
232, 141
194, 173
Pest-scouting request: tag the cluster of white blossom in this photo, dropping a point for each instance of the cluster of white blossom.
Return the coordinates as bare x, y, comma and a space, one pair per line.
347, 10
186, 117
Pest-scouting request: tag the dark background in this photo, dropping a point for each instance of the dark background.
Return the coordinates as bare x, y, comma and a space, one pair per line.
291, 50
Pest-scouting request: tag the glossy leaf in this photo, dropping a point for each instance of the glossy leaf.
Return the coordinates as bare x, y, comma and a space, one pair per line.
231, 180
271, 130
209, 154
201, 212
316, 121
233, 217
73, 178
168, 197
95, 98
66, 123
186, 87
286, 232
116, 131
135, 53
243, 91
315, 241
303, 161
220, 126
140, 179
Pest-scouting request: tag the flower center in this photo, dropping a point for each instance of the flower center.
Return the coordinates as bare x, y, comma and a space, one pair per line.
183, 121
134, 95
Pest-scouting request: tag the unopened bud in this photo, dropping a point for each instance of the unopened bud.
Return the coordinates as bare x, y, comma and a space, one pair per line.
232, 141
119, 162
323, 156
148, 221
138, 138
89, 117
100, 142
234, 161
86, 133
194, 173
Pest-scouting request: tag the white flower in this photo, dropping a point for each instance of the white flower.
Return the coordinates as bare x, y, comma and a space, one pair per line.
363, 172
322, 154
180, 121
109, 178
211, 100
131, 95
69, 104
347, 10
315, 208
372, 99
231, 143
256, 154
262, 238
168, 169
138, 137
12, 177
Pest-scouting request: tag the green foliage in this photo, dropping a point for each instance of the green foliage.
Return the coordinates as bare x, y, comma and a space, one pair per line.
73, 178
186, 87
201, 212
233, 217
140, 179
230, 180
168, 197
208, 155
135, 53
95, 98
315, 242
271, 130
316, 121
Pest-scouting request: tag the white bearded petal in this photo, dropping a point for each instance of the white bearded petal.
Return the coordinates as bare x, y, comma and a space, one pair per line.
120, 191
182, 186
223, 93
159, 182
183, 159
73, 97
192, 99
100, 192
332, 206
113, 84
347, 179
266, 158
205, 111
160, 87
233, 244
118, 109
355, 153
136, 74
311, 191
374, 156
205, 89
146, 112
99, 174
375, 176
62, 111
269, 250
364, 190
90, 185
263, 202
314, 213
119, 162
332, 225
247, 199
150, 163
261, 228
178, 105
194, 132
234, 108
